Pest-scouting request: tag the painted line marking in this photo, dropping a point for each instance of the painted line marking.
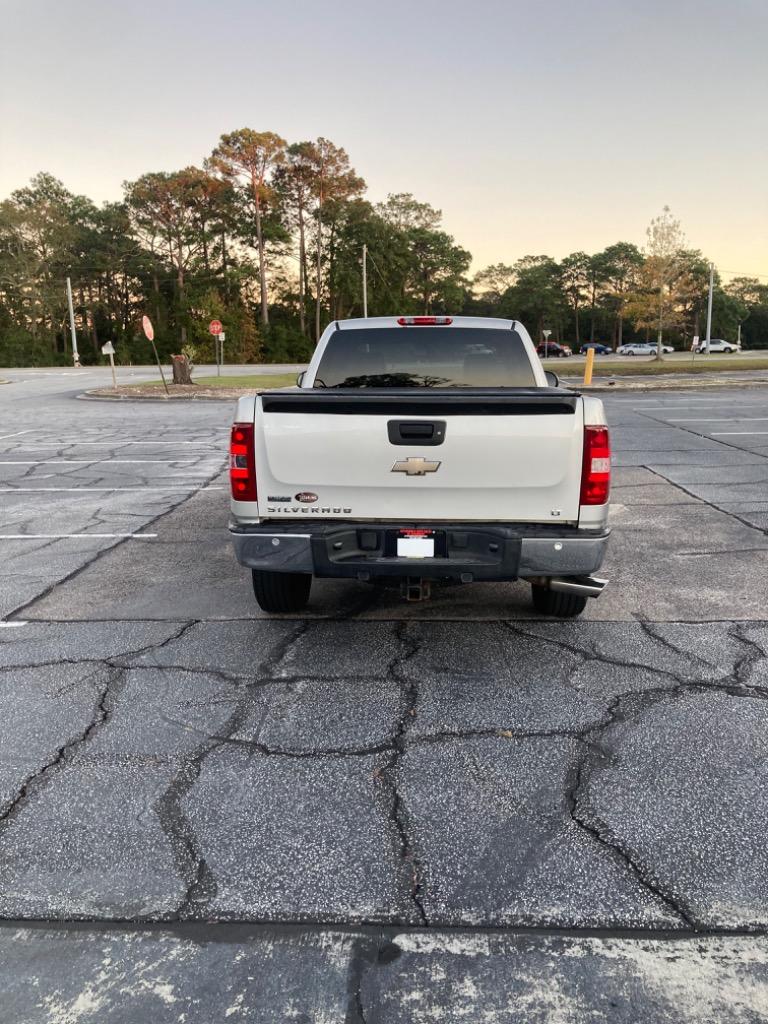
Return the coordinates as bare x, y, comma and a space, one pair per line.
17, 434
60, 536
163, 490
117, 443
11, 625
720, 419
690, 408
737, 433
100, 462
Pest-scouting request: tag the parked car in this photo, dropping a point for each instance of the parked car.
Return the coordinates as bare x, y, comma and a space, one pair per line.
636, 348
716, 345
600, 350
552, 350
421, 449
641, 348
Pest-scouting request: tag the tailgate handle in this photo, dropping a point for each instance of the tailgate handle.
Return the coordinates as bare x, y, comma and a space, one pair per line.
422, 432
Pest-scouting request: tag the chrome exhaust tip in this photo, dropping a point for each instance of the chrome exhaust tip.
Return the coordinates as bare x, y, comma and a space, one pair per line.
587, 586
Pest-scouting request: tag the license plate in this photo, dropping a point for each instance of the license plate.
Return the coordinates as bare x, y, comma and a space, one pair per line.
416, 545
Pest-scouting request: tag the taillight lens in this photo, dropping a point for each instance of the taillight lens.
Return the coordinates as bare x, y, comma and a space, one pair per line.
596, 468
424, 321
242, 463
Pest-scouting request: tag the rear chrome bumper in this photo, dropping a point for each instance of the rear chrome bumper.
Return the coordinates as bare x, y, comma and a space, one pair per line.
475, 551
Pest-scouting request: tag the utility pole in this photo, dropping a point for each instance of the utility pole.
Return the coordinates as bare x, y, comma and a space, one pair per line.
75, 353
709, 306
365, 280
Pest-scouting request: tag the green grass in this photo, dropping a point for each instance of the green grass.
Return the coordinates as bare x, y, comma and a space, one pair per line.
603, 368
256, 380
652, 367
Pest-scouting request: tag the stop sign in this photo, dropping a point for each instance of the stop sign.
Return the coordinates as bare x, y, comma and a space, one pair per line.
215, 327
149, 330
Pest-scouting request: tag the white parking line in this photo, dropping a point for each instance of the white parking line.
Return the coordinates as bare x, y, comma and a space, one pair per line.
117, 443
11, 625
720, 419
60, 536
736, 433
694, 406
17, 434
164, 490
100, 462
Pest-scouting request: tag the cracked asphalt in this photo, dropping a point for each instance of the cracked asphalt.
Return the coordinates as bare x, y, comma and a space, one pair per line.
377, 812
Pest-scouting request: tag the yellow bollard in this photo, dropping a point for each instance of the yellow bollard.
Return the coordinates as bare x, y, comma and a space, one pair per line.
588, 366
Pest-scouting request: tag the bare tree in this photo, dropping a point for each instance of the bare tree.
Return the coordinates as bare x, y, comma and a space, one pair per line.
664, 269
575, 277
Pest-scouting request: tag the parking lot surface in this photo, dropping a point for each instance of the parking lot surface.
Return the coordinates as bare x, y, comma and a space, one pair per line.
378, 811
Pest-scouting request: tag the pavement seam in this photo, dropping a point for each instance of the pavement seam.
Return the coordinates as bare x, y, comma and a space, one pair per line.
206, 929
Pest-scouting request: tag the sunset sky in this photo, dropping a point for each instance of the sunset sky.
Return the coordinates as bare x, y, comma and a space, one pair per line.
536, 127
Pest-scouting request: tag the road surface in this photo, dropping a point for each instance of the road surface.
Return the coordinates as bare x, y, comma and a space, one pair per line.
376, 811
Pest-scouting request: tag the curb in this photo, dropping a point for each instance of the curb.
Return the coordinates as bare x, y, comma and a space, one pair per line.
682, 385
97, 395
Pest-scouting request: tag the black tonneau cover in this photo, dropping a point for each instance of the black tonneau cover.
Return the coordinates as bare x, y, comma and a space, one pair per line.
424, 402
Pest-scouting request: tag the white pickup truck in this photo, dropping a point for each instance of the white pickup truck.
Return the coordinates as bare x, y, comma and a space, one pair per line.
422, 450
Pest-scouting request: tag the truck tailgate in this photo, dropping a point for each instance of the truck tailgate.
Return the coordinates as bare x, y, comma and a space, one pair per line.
512, 457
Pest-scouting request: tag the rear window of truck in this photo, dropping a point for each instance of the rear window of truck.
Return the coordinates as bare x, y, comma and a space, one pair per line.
425, 357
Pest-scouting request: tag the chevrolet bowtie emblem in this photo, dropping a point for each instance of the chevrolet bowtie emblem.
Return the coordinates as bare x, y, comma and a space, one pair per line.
415, 467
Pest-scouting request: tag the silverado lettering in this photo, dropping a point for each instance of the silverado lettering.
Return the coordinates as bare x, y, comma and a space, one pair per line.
320, 511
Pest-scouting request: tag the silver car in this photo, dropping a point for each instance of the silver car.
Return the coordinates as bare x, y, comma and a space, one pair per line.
641, 348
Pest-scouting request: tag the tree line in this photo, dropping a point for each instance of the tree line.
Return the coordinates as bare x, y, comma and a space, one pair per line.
267, 237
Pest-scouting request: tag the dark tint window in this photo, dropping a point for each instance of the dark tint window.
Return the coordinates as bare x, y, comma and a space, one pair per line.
425, 357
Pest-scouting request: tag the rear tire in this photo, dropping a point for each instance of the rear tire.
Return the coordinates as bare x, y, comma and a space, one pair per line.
281, 592
556, 602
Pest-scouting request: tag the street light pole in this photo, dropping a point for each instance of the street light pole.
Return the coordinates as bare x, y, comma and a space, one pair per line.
709, 306
365, 281
75, 353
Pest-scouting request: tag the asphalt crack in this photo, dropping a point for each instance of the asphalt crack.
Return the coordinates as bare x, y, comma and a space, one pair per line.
594, 754
200, 886
199, 879
152, 521
408, 649
102, 710
710, 504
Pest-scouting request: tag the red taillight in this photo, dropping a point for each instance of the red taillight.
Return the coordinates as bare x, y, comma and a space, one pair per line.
596, 468
242, 463
424, 321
